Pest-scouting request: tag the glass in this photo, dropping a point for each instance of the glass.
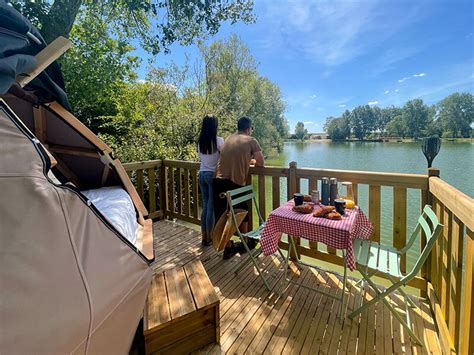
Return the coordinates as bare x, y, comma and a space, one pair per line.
347, 193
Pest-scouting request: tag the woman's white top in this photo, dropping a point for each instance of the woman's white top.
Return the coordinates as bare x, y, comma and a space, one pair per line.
209, 161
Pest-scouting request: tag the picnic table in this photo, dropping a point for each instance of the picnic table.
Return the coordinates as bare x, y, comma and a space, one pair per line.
338, 234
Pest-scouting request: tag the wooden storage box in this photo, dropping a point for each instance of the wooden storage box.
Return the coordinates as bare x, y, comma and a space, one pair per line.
182, 311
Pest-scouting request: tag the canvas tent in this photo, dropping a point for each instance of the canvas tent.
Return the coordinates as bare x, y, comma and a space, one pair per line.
75, 244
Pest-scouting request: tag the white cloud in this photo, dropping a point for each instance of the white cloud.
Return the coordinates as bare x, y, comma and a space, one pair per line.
396, 90
314, 96
336, 32
308, 122
420, 75
386, 91
371, 103
342, 105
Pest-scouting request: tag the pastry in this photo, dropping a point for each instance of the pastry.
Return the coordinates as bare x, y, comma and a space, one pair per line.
307, 198
303, 208
333, 215
323, 211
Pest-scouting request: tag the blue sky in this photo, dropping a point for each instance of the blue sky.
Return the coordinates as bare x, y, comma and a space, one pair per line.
328, 56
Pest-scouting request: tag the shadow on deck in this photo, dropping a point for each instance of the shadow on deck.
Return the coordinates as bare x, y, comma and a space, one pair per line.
254, 320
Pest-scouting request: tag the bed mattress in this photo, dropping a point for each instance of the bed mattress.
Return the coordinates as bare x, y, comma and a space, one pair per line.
116, 205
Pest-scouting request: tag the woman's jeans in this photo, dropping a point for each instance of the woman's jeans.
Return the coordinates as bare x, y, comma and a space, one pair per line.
207, 213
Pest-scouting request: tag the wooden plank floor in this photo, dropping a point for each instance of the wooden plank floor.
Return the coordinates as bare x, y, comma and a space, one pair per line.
256, 321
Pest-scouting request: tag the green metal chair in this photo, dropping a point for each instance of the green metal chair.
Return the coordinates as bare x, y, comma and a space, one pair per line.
238, 196
379, 258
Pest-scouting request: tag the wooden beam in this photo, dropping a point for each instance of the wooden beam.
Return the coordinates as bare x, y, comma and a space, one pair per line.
63, 149
82, 129
44, 58
456, 201
147, 240
130, 188
443, 332
142, 165
467, 303
40, 124
68, 173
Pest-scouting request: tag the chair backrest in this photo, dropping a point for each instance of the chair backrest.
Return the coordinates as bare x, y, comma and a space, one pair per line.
242, 194
432, 231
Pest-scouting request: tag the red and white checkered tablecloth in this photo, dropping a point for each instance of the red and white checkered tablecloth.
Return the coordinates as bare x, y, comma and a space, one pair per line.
336, 234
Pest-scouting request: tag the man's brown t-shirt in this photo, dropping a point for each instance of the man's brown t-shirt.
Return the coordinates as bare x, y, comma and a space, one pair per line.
235, 157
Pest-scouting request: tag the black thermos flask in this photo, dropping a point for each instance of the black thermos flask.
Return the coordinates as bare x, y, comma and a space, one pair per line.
325, 191
332, 191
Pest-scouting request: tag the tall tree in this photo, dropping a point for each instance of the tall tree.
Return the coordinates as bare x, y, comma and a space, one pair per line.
300, 131
338, 128
417, 118
396, 127
96, 69
362, 121
156, 23
456, 114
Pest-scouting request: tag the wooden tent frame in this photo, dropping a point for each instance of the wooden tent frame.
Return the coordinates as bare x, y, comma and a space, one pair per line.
103, 152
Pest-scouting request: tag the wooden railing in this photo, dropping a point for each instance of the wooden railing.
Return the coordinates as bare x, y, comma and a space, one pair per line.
169, 188
450, 272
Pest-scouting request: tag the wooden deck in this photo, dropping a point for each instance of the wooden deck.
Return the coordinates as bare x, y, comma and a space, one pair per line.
254, 320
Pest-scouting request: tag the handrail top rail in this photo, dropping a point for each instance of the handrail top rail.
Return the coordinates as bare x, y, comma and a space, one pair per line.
419, 181
456, 201
136, 165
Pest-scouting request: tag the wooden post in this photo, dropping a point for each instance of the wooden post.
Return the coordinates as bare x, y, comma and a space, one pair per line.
292, 189
163, 190
292, 180
427, 199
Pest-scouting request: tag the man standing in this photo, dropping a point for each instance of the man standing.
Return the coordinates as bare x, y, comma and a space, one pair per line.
232, 169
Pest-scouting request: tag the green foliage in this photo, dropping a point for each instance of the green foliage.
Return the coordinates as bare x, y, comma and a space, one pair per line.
156, 23
96, 69
417, 117
397, 127
456, 114
338, 128
452, 117
362, 121
161, 117
300, 131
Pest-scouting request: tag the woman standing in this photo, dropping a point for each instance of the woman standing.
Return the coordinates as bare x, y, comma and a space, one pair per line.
209, 146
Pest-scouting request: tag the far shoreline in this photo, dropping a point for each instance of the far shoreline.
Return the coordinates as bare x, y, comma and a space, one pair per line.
379, 140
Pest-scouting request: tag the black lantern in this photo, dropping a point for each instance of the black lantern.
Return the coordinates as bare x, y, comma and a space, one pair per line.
430, 147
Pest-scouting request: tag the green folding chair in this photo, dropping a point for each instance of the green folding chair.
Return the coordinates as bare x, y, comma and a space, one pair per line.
379, 258
238, 196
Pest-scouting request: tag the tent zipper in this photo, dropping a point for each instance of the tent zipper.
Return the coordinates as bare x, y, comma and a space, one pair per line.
46, 167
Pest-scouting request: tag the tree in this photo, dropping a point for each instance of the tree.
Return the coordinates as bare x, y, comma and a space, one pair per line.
338, 128
362, 121
300, 131
161, 117
417, 118
396, 127
95, 70
386, 115
456, 114
156, 23
233, 88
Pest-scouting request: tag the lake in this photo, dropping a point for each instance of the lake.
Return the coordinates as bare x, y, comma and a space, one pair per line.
455, 161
